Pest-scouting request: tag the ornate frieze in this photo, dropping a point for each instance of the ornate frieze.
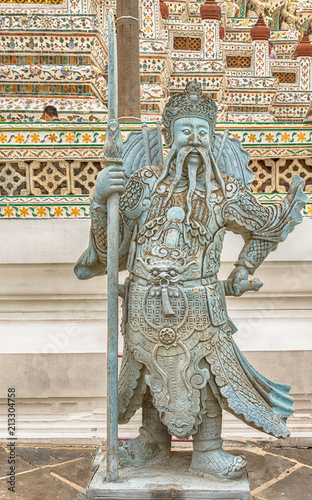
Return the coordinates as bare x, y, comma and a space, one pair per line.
65, 22
42, 207
78, 207
250, 97
52, 73
39, 44
293, 97
45, 7
251, 82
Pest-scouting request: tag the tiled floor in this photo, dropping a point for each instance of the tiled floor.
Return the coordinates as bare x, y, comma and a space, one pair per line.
63, 473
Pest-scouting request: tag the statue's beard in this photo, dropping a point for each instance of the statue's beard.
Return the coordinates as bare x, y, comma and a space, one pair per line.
188, 170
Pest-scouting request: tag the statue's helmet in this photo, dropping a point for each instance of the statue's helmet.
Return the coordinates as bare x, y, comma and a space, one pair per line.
190, 103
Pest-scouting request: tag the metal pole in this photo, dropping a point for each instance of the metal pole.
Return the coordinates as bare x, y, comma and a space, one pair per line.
112, 336
112, 153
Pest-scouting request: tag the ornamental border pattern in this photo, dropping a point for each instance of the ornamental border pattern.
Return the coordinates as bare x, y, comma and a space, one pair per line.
71, 22
77, 207
69, 6
74, 43
43, 136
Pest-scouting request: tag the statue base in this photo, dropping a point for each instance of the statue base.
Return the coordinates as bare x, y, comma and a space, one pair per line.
166, 481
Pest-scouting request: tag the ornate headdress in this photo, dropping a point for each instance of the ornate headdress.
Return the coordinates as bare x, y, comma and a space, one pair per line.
191, 102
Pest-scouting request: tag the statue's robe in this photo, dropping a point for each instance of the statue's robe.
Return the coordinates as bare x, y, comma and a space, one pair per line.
178, 337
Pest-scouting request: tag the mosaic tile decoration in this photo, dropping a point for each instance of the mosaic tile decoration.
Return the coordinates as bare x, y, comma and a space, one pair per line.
44, 207
33, 59
53, 2
29, 109
189, 66
61, 135
45, 89
62, 44
75, 80
151, 22
77, 207
62, 104
68, 22
251, 82
40, 44
67, 6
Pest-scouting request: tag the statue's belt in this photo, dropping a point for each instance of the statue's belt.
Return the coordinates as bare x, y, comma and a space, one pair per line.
164, 288
172, 302
210, 280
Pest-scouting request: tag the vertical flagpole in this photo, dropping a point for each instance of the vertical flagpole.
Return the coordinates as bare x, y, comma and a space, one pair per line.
112, 157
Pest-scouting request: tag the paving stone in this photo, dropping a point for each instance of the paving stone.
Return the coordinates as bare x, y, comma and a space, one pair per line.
293, 487
20, 464
263, 468
40, 485
64, 454
77, 472
38, 457
302, 455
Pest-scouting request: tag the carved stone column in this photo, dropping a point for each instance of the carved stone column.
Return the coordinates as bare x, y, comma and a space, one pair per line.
129, 102
210, 13
304, 53
260, 35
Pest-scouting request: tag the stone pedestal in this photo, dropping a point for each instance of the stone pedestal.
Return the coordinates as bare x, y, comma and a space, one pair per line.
165, 482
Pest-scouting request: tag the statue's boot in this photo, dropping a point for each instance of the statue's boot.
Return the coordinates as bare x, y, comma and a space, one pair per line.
151, 446
208, 457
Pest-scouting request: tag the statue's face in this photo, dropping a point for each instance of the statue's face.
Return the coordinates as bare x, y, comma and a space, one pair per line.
191, 132
291, 8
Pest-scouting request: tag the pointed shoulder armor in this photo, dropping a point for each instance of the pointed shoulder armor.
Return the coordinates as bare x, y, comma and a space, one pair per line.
232, 159
139, 187
142, 148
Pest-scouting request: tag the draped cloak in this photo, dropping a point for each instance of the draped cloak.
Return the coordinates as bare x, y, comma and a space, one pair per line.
178, 338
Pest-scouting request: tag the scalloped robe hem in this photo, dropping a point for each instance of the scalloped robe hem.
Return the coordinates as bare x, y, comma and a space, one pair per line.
240, 389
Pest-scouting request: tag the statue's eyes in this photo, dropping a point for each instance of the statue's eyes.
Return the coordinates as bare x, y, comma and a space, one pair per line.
186, 131
202, 133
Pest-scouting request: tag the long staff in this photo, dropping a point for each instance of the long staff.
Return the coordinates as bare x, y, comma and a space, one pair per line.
112, 154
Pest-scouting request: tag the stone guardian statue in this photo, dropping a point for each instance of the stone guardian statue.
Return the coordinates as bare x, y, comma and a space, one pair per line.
180, 362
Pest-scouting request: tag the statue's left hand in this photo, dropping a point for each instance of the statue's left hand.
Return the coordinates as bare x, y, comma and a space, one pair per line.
232, 284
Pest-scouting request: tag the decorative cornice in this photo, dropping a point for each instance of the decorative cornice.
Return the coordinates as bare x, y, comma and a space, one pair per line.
260, 31
164, 11
210, 11
304, 47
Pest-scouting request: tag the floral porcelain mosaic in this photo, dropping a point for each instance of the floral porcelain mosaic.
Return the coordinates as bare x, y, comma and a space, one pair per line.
54, 52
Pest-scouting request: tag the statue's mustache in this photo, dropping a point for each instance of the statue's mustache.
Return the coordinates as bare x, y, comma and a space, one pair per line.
176, 158
187, 150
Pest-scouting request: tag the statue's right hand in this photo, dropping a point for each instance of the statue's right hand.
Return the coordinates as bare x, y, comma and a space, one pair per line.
110, 180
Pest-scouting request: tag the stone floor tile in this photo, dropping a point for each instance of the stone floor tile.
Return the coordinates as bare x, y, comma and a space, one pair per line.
263, 468
40, 485
20, 464
77, 472
64, 454
38, 457
296, 486
43, 485
303, 455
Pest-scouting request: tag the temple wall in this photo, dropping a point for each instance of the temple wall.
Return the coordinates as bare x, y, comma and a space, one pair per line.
53, 327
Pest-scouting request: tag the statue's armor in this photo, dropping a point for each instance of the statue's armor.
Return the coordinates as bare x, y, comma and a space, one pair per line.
177, 334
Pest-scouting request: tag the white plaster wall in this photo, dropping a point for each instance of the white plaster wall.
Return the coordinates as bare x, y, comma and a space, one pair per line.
63, 240
53, 329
